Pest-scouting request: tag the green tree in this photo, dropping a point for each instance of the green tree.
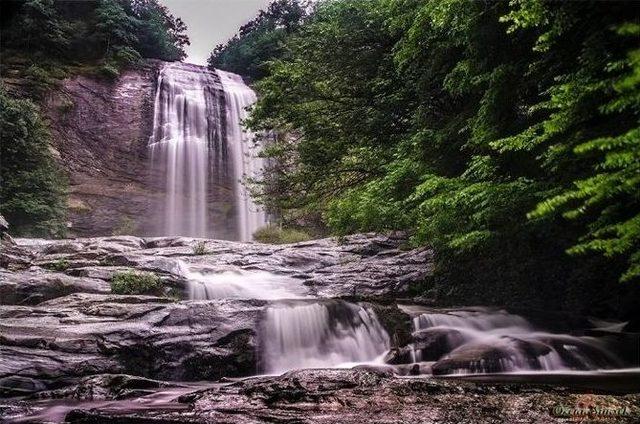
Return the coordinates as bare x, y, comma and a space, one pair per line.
261, 40
41, 28
455, 120
115, 29
32, 189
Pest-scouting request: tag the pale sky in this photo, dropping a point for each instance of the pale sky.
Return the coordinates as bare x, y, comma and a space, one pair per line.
211, 22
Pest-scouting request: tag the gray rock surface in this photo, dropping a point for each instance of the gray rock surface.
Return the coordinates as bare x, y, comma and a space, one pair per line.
342, 396
100, 129
4, 225
79, 335
59, 322
364, 265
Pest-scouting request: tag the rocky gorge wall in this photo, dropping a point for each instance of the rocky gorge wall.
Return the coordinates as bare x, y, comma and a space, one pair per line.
100, 131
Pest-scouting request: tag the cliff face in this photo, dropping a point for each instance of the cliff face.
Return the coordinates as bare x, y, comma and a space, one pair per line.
100, 130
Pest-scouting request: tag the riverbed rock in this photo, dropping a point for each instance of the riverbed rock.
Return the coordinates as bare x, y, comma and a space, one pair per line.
358, 396
62, 340
360, 266
35, 285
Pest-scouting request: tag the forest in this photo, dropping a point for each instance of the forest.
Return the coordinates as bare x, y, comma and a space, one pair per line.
504, 134
43, 42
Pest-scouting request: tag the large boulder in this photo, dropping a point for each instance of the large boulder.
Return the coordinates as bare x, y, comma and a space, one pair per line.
62, 340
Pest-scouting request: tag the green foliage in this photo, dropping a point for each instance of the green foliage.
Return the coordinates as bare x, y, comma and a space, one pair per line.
274, 234
260, 41
109, 71
32, 188
200, 248
38, 81
610, 196
502, 129
134, 282
60, 265
119, 32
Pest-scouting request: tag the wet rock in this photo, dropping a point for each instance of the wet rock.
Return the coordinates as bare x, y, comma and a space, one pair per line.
33, 286
503, 355
357, 396
360, 266
4, 225
85, 334
107, 387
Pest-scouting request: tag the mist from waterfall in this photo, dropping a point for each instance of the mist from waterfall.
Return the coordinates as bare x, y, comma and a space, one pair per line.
200, 154
244, 148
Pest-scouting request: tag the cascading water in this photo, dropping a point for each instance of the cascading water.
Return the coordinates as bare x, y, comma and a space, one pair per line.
329, 333
244, 149
187, 131
240, 284
200, 152
484, 341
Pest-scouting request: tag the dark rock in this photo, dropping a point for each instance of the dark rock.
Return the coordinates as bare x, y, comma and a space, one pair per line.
355, 396
107, 387
86, 334
498, 356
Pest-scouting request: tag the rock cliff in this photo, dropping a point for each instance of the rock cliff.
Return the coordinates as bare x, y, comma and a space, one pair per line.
100, 129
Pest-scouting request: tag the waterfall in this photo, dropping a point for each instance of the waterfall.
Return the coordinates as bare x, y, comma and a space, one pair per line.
200, 154
244, 149
320, 334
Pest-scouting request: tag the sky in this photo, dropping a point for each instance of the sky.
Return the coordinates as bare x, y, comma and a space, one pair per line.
212, 22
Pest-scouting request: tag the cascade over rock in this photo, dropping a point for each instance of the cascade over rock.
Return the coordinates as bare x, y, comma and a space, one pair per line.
157, 151
199, 149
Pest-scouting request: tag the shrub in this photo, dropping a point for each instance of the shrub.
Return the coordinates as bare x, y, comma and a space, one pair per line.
109, 71
134, 282
274, 234
38, 81
32, 185
126, 56
200, 248
59, 265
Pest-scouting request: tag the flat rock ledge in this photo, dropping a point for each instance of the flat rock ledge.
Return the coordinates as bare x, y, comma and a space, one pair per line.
364, 265
327, 396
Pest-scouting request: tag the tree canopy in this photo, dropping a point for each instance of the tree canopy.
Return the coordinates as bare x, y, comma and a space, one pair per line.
112, 30
260, 40
507, 128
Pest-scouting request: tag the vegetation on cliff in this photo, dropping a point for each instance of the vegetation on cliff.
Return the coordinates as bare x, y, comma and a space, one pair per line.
32, 187
508, 129
43, 41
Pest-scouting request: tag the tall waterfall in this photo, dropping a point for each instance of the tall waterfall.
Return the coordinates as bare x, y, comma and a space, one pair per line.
244, 149
201, 154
